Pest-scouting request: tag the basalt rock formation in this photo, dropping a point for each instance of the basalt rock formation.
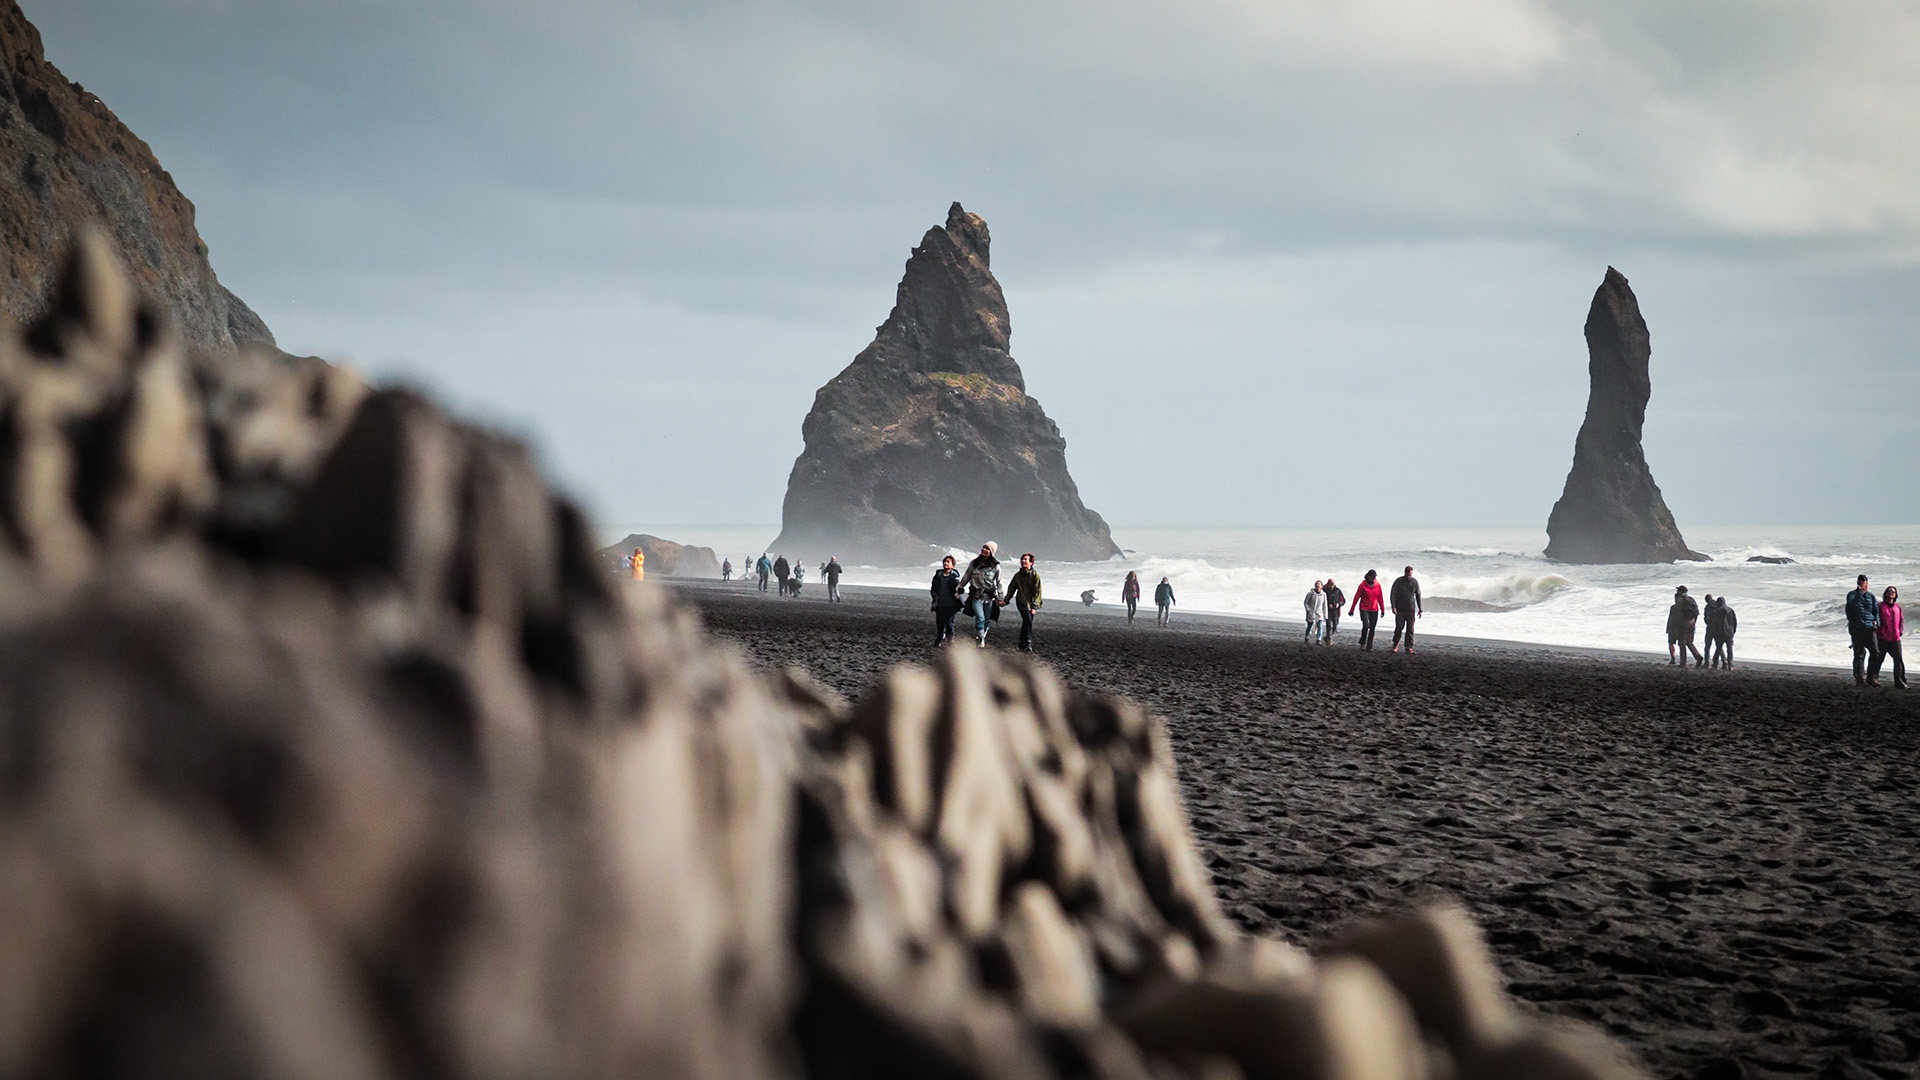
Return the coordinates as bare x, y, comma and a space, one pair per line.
1611, 510
664, 557
928, 440
327, 750
66, 161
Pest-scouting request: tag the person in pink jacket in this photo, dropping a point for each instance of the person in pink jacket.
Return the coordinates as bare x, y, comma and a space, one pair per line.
1889, 633
1367, 598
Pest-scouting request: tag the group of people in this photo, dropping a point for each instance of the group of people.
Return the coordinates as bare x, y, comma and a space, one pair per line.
1876, 625
1683, 624
978, 592
1162, 598
790, 575
1324, 601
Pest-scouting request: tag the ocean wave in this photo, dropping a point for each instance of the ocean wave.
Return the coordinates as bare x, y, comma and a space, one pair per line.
1518, 589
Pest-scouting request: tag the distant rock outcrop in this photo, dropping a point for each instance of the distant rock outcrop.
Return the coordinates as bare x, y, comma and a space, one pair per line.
929, 439
664, 557
67, 161
1773, 560
1611, 510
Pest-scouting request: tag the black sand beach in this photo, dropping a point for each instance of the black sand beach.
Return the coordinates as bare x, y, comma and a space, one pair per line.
1721, 868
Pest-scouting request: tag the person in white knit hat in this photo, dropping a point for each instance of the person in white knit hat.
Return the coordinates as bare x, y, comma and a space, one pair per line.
983, 589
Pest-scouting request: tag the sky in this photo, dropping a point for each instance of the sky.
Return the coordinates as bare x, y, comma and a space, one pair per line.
1268, 262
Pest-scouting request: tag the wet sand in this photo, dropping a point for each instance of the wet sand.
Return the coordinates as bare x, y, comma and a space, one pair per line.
1721, 868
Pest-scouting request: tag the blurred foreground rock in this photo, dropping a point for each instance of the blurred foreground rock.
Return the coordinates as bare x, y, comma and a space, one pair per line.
326, 749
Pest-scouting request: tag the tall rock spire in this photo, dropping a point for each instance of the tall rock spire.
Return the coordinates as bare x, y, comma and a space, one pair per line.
1611, 510
928, 439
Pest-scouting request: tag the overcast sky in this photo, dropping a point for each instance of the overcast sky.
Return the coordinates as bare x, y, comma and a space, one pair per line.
1269, 262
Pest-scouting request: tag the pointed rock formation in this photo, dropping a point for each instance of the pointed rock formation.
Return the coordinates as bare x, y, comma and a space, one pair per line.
66, 161
929, 439
1611, 510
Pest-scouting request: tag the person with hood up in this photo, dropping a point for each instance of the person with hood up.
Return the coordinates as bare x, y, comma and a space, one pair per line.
1368, 600
946, 600
1335, 598
982, 579
782, 571
1130, 594
726, 570
1163, 599
1682, 619
765, 569
1721, 624
832, 572
1316, 605
1023, 592
1888, 631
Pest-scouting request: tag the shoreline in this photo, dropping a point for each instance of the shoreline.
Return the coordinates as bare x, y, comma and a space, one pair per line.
1281, 629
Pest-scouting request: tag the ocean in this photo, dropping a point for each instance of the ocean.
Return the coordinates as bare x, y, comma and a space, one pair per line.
1787, 612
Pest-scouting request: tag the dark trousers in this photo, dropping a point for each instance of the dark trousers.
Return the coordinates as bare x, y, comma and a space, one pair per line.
833, 589
1866, 646
943, 623
1403, 623
1720, 651
1886, 649
1026, 628
1166, 614
1133, 605
763, 581
1333, 623
1369, 622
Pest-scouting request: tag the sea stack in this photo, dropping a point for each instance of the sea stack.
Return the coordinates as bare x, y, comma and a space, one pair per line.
1611, 510
69, 162
929, 440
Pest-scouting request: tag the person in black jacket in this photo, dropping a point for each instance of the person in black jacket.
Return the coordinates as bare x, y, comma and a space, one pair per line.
1335, 598
1721, 625
946, 600
1863, 625
782, 571
1405, 600
1682, 620
832, 572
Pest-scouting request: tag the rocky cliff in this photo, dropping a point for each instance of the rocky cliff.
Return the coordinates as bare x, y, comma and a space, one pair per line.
1611, 510
65, 161
929, 439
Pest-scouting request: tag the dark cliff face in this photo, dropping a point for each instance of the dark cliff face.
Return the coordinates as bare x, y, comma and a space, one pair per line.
928, 439
65, 161
1611, 510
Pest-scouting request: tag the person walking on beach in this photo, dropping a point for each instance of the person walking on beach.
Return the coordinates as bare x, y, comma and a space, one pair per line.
983, 589
1368, 600
1163, 599
726, 570
1722, 623
946, 600
799, 575
765, 568
832, 572
1863, 625
1335, 598
1023, 592
1892, 623
1316, 605
1683, 618
1130, 593
639, 564
782, 572
1406, 608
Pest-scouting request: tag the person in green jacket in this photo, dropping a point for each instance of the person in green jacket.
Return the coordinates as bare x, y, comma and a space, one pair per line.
1023, 592
1163, 599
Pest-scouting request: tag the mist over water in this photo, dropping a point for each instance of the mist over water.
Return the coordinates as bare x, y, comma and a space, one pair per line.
1790, 613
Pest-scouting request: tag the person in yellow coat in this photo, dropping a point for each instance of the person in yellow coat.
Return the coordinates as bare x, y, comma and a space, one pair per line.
639, 564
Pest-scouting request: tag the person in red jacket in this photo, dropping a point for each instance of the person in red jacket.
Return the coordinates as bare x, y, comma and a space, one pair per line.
1367, 598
